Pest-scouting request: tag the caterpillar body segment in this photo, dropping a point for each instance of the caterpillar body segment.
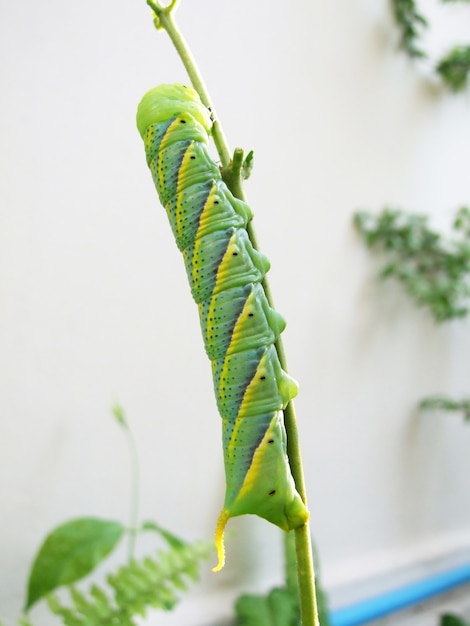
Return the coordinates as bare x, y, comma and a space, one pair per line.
238, 325
238, 319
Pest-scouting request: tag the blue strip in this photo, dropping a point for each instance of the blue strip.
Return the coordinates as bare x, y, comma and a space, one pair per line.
373, 608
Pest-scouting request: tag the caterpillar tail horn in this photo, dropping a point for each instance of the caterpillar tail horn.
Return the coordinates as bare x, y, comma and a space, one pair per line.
219, 539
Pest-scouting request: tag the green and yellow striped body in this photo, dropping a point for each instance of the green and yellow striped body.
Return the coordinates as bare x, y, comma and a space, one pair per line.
239, 327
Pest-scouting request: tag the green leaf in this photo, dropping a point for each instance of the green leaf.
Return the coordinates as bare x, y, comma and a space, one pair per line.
449, 619
445, 403
247, 166
454, 68
118, 413
411, 23
278, 608
70, 552
433, 269
172, 540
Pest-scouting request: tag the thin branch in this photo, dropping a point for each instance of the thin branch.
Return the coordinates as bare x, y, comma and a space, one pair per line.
302, 535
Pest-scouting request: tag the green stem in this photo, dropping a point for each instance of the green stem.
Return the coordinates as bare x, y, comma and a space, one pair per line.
305, 571
134, 459
166, 21
134, 509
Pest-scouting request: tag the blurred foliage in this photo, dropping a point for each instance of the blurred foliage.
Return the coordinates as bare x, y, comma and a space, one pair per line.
74, 550
280, 606
449, 619
434, 270
153, 582
70, 552
454, 67
411, 23
445, 403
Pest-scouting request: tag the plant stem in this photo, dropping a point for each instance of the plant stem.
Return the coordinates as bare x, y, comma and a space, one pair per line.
305, 571
134, 509
134, 459
166, 21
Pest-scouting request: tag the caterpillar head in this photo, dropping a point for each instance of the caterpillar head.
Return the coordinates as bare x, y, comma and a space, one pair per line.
168, 101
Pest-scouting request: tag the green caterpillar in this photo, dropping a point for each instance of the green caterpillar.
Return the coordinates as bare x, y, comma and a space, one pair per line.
239, 327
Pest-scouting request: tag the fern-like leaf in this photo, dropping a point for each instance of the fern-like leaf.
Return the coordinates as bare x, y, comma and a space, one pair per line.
434, 271
134, 588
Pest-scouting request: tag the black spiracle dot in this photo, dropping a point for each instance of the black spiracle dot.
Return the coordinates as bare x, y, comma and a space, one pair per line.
271, 493
270, 440
192, 157
262, 377
182, 121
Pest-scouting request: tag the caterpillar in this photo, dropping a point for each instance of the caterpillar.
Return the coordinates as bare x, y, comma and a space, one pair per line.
238, 325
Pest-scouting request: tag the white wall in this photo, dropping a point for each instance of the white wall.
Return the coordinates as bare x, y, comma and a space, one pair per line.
95, 306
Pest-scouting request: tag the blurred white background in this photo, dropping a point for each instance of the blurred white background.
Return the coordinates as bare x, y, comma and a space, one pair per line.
95, 306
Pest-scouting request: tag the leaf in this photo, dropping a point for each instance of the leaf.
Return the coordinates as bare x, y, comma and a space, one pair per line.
118, 413
70, 552
172, 540
247, 166
433, 269
447, 404
449, 619
454, 68
278, 608
411, 23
